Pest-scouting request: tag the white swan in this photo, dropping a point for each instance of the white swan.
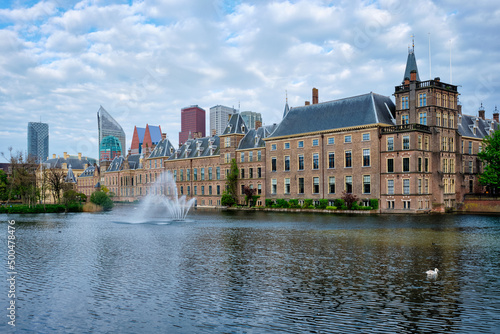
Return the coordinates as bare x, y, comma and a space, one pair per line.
432, 272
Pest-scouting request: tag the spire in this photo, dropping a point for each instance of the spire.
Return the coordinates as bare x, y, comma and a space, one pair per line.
411, 62
287, 109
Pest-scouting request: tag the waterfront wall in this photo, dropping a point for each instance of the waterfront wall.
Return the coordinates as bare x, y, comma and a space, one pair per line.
481, 205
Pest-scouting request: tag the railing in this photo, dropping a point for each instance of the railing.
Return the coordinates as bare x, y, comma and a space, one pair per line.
405, 128
428, 83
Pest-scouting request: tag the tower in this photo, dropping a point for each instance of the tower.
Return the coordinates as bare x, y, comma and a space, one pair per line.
192, 121
108, 127
38, 141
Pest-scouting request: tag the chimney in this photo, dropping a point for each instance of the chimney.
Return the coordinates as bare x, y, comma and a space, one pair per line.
481, 112
53, 155
79, 156
315, 95
258, 124
407, 81
437, 79
65, 155
307, 103
459, 106
495, 115
413, 75
164, 136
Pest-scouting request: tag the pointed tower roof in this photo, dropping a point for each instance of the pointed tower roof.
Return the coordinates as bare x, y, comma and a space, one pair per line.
287, 108
70, 177
411, 64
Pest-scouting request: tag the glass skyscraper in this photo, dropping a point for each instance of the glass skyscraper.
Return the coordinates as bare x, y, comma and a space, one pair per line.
108, 127
38, 141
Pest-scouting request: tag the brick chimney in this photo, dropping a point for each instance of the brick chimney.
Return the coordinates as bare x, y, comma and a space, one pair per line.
307, 103
65, 155
413, 75
79, 156
258, 124
163, 135
437, 79
495, 115
315, 96
481, 112
407, 81
53, 155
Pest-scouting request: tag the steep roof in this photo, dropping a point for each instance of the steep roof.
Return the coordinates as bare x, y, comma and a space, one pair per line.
287, 109
236, 125
116, 164
359, 110
140, 133
411, 64
155, 133
255, 138
134, 161
201, 147
163, 149
70, 177
482, 127
70, 160
89, 171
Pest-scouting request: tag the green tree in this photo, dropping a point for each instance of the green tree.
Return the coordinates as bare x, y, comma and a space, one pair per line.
232, 181
22, 182
490, 156
100, 198
4, 186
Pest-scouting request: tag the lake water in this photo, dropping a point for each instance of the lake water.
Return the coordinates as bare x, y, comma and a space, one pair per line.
253, 272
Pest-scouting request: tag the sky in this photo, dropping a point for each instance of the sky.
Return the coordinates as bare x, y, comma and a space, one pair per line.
144, 61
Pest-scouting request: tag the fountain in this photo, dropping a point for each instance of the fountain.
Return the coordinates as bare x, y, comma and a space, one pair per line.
163, 195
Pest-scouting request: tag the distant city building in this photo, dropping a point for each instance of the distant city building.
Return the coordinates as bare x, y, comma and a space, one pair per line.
219, 117
192, 120
38, 141
108, 127
251, 118
149, 137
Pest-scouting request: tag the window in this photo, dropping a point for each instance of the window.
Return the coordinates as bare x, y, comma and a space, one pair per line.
210, 190
175, 176
196, 190
287, 163
250, 173
406, 186
366, 157
218, 173
188, 174
259, 156
209, 173
189, 190
301, 162
227, 158
315, 161
315, 185
406, 204
471, 186
273, 147
259, 172
426, 186
242, 189
273, 164
445, 183
287, 186
390, 143
366, 184
419, 186
300, 144
242, 157
331, 141
250, 156
390, 187
419, 142
406, 164
274, 186
406, 142
182, 174
227, 142
419, 164
218, 189
347, 139
445, 120
366, 136
422, 100
301, 185
426, 143
390, 204
438, 119
182, 190
452, 121
203, 190
390, 165
315, 142
471, 168
287, 146
348, 184
348, 158
404, 119
426, 165
470, 147
404, 102
445, 166
331, 160
331, 184
203, 174
242, 173
259, 189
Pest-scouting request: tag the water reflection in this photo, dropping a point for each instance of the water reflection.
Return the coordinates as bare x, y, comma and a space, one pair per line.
259, 272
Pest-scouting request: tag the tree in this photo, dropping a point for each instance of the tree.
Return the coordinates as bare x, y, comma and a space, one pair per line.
22, 183
55, 182
232, 181
249, 193
100, 198
490, 156
4, 186
349, 199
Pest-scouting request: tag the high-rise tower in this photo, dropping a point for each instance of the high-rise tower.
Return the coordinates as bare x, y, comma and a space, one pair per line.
38, 141
219, 117
192, 121
115, 145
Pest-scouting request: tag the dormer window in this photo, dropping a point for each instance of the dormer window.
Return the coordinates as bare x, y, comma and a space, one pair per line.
243, 128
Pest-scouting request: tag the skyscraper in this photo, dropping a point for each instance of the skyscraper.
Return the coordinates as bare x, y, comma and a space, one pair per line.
250, 117
108, 127
38, 141
192, 120
219, 117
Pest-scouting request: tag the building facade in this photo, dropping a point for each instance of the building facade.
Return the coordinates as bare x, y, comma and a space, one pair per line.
108, 127
192, 121
219, 117
38, 141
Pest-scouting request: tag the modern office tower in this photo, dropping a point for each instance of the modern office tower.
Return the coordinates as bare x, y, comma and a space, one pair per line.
38, 141
111, 136
192, 121
219, 117
250, 118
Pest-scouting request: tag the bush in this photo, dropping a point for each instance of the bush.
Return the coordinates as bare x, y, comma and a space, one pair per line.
374, 203
308, 203
100, 198
323, 203
339, 202
349, 199
366, 208
254, 199
355, 206
294, 203
282, 203
227, 199
331, 207
269, 202
311, 207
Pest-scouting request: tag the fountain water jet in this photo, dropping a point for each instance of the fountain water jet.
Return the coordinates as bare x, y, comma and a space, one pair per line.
163, 194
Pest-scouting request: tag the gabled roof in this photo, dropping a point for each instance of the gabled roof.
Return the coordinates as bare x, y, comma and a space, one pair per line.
70, 177
236, 125
255, 138
134, 161
482, 127
163, 149
155, 132
89, 171
116, 164
359, 110
411, 64
201, 147
70, 160
140, 134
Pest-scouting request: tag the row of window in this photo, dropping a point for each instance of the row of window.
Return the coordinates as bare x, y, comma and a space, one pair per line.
422, 143
315, 160
250, 156
348, 184
422, 119
441, 101
259, 188
422, 187
179, 175
470, 148
251, 173
315, 142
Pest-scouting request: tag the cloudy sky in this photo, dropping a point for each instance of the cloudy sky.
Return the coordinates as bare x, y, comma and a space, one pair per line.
144, 60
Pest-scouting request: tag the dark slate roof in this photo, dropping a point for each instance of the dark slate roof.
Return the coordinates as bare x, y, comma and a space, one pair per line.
134, 161
116, 164
70, 177
236, 124
411, 64
201, 147
255, 138
71, 160
163, 149
359, 110
155, 133
287, 109
89, 172
467, 123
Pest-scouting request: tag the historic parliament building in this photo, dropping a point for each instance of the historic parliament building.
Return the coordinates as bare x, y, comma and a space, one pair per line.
417, 155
